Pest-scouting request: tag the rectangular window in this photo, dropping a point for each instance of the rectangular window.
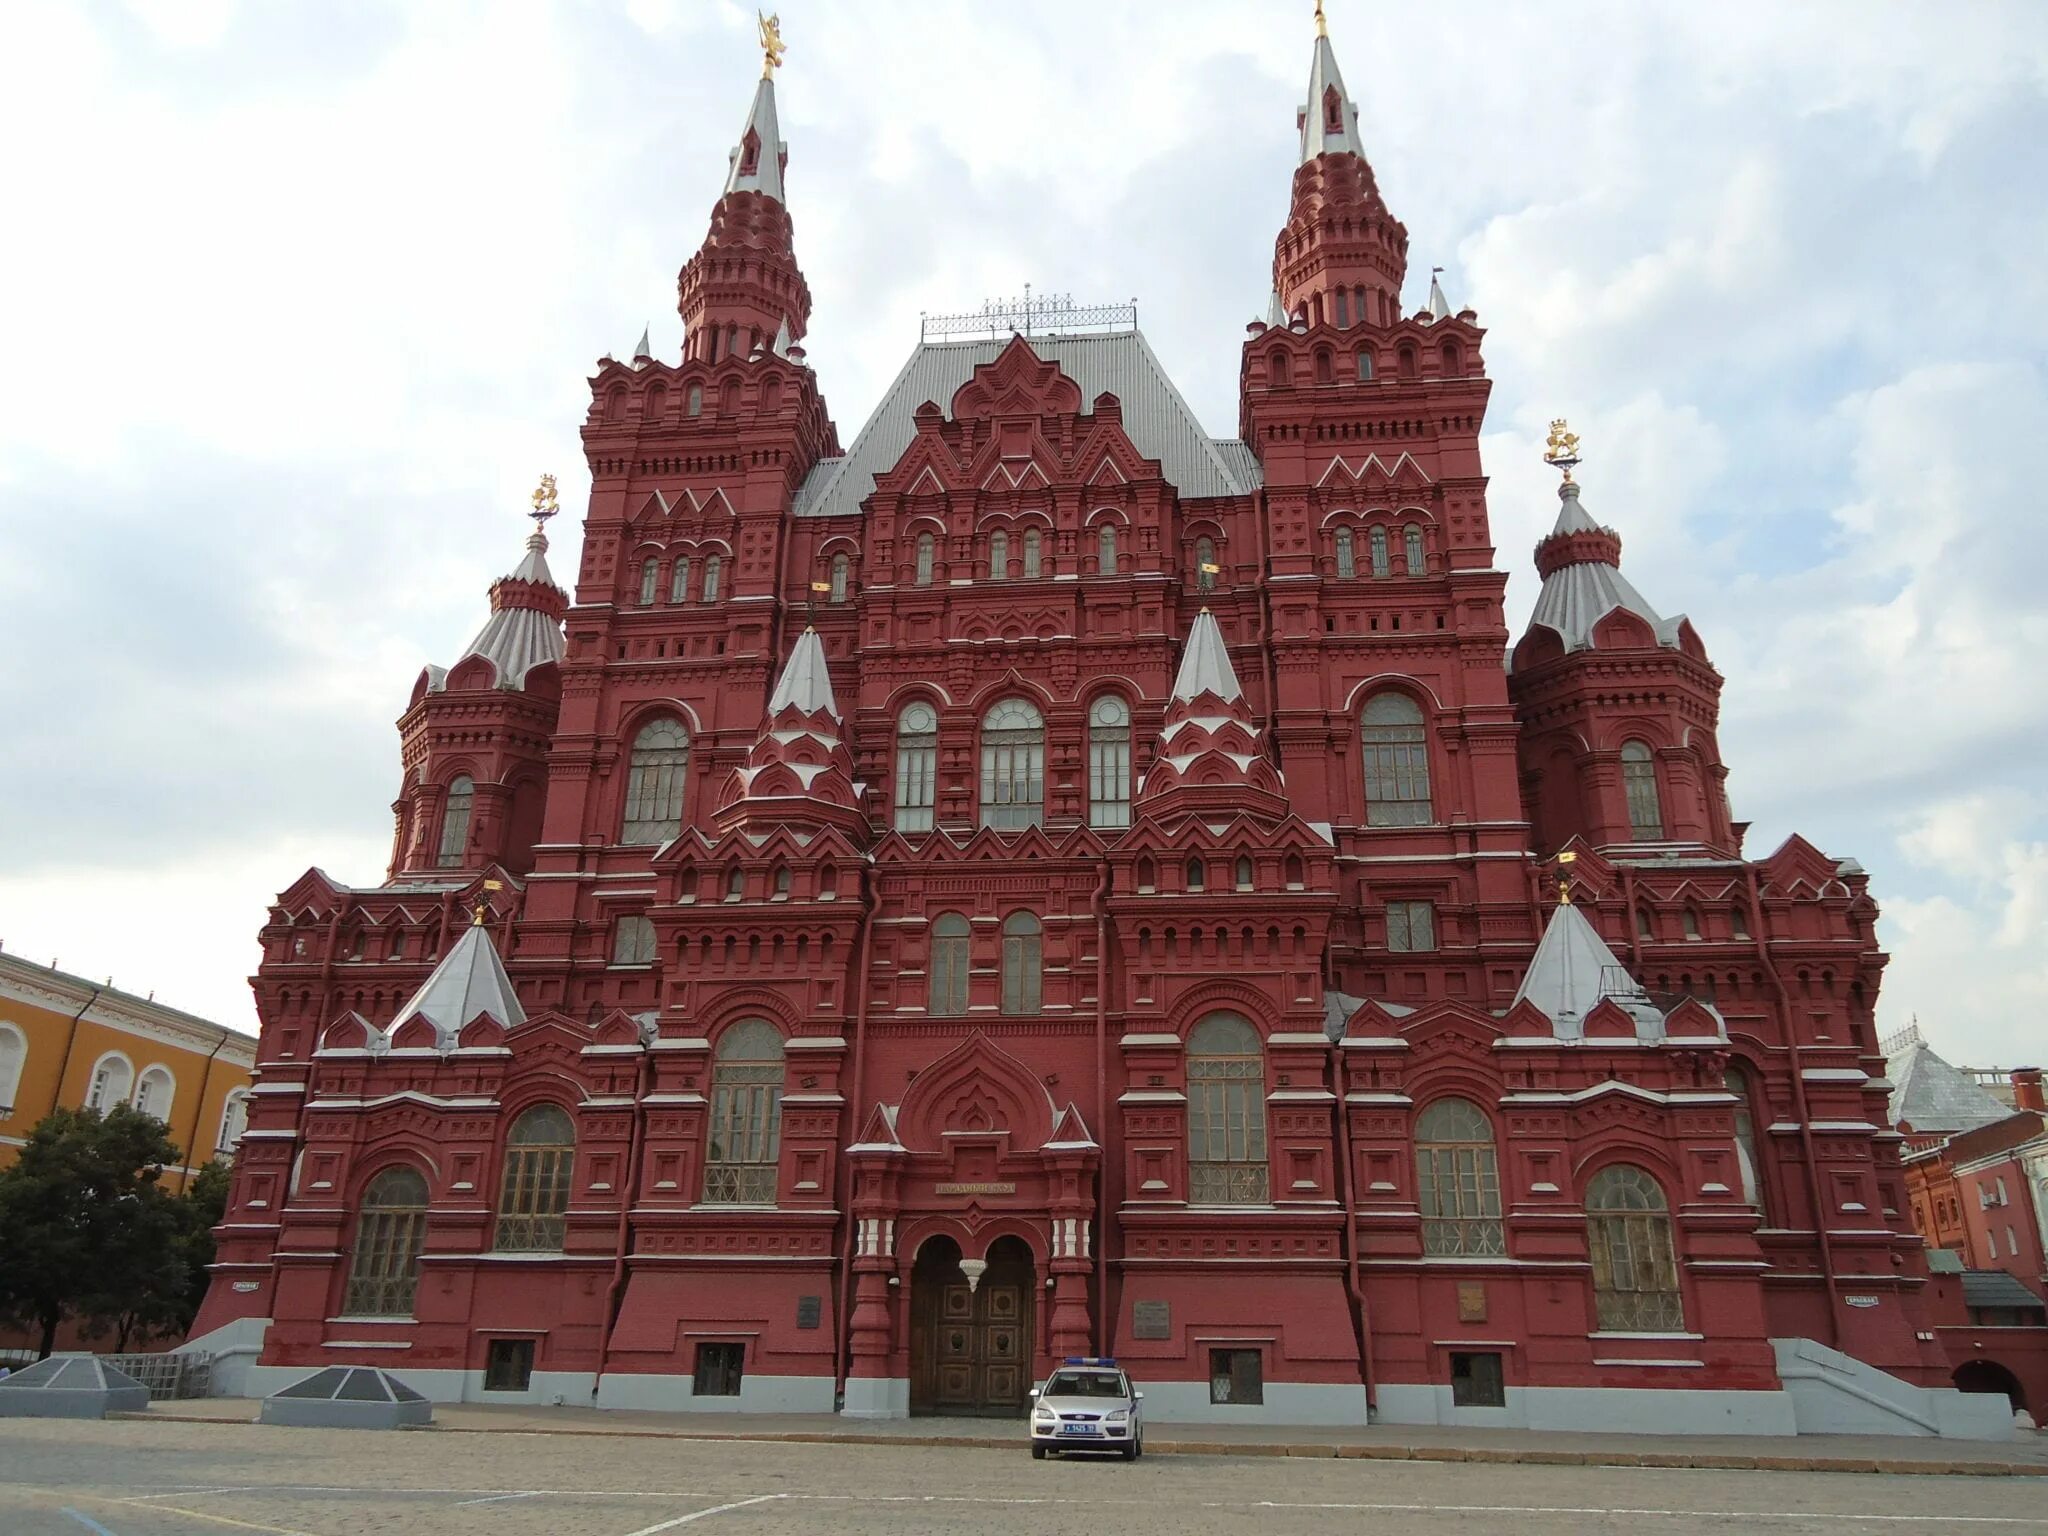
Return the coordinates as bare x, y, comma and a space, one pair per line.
917, 781
1109, 776
633, 942
1411, 925
720, 1369
1236, 1376
508, 1367
679, 582
1476, 1381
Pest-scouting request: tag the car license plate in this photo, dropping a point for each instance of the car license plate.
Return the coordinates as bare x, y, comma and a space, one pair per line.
1083, 1429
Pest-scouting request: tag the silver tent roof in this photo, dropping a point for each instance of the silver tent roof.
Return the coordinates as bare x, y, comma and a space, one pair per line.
1205, 663
515, 640
766, 176
469, 980
1578, 596
1157, 419
805, 680
1317, 137
1931, 1096
1573, 969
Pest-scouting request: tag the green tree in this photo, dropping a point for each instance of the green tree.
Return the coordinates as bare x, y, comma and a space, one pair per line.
86, 1228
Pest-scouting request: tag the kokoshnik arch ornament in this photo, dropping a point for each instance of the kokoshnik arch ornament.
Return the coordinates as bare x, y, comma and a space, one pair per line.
1039, 878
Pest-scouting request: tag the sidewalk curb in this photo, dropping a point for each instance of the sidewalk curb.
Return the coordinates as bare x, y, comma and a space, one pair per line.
1720, 1461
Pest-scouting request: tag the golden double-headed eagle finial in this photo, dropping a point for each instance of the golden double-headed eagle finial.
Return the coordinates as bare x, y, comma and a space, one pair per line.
772, 46
1561, 451
545, 505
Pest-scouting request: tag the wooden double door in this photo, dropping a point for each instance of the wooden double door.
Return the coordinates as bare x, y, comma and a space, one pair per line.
971, 1347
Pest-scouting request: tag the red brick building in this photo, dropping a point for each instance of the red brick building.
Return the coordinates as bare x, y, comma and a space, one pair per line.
1042, 879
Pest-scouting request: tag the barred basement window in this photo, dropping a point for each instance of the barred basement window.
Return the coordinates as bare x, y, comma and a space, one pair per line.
1347, 561
389, 1235
1635, 1269
1033, 543
1023, 962
746, 1116
1411, 926
1109, 762
1396, 762
679, 580
1639, 779
1476, 1381
455, 821
654, 781
1457, 1181
711, 569
633, 941
508, 1365
917, 767
534, 1192
926, 548
1226, 1113
1012, 767
721, 1368
950, 944
1236, 1376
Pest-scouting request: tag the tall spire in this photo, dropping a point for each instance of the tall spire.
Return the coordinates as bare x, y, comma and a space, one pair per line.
806, 682
1210, 759
1205, 664
759, 157
1329, 118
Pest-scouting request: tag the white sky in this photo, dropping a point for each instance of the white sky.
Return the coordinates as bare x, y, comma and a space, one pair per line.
297, 301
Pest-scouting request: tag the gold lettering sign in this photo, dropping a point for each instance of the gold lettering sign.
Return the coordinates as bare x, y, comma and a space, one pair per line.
989, 1188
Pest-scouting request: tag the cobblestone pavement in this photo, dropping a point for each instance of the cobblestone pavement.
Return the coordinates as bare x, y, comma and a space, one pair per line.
168, 1478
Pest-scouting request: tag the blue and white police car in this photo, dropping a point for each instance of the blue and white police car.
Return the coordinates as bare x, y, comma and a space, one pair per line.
1087, 1405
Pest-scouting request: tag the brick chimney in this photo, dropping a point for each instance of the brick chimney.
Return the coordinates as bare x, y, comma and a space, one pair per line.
2026, 1089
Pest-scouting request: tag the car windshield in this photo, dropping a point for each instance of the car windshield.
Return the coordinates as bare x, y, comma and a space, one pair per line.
1084, 1384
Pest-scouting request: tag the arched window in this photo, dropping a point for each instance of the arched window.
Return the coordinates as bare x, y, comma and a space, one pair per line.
1226, 1113
1738, 1083
780, 884
926, 548
1109, 762
1411, 549
1406, 360
1635, 1269
1690, 920
1639, 779
650, 573
736, 885
633, 941
1457, 1181
711, 569
1347, 561
1279, 369
948, 966
389, 1235
679, 580
1396, 762
654, 781
234, 1120
998, 556
1105, 549
1453, 360
1364, 367
1198, 875
1326, 368
1023, 962
455, 821
154, 1092
696, 399
1206, 568
841, 566
1012, 767
113, 1078
746, 1116
1244, 872
534, 1191
1033, 549
1645, 928
917, 767
1377, 540
13, 1057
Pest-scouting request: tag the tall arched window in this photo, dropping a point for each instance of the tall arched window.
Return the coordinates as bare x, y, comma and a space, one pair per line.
1034, 544
1457, 1181
950, 943
455, 821
746, 1116
998, 556
654, 782
534, 1192
1411, 549
841, 567
679, 580
1364, 367
1639, 779
1635, 1269
234, 1120
1377, 540
650, 573
712, 566
1226, 1113
927, 547
1023, 962
1396, 762
1012, 767
1347, 560
13, 1057
1109, 762
1738, 1082
917, 767
1197, 874
389, 1235
696, 400
113, 1078
1206, 569
154, 1092
1105, 549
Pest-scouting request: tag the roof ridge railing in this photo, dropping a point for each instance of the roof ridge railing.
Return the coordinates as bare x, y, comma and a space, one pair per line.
1047, 314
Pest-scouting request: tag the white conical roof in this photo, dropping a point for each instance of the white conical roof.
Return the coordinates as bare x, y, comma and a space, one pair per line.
1573, 969
1439, 306
641, 354
469, 980
1576, 597
516, 639
766, 176
805, 680
1318, 137
1205, 663
1275, 315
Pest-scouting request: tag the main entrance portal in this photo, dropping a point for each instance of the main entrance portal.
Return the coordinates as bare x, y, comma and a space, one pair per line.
971, 1346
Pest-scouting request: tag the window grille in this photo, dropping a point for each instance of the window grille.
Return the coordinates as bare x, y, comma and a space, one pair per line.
1396, 762
746, 1117
950, 945
1411, 550
534, 1192
1457, 1181
712, 567
1635, 1269
917, 767
654, 781
1378, 542
389, 1234
679, 580
1411, 926
1109, 762
508, 1365
1226, 1114
1347, 560
1023, 946
1639, 779
1236, 1376
650, 572
1012, 767
721, 1369
455, 821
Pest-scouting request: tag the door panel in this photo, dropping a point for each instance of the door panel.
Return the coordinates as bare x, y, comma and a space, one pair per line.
971, 1349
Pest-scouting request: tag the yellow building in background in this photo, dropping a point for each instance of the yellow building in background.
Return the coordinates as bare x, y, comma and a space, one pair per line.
68, 1041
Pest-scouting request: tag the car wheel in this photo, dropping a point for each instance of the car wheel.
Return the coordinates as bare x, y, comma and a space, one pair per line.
1038, 1453
1130, 1451
1138, 1448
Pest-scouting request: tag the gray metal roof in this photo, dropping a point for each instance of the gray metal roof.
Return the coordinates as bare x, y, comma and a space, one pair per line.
469, 980
1576, 597
1573, 969
1931, 1096
766, 177
1439, 306
1157, 419
1996, 1288
1205, 663
1317, 137
516, 639
805, 681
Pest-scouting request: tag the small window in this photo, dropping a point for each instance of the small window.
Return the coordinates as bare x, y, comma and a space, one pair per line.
736, 885
1639, 782
696, 399
1236, 1376
1206, 567
781, 892
711, 568
1691, 919
1364, 367
998, 556
1738, 923
1105, 550
841, 566
154, 1092
948, 966
1023, 962
1476, 1381
1378, 541
679, 580
234, 1120
633, 941
508, 1365
927, 547
1347, 560
455, 822
720, 1369
1033, 542
650, 573
1279, 369
1411, 926
1198, 875
1244, 872
112, 1080
1645, 929
1411, 549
